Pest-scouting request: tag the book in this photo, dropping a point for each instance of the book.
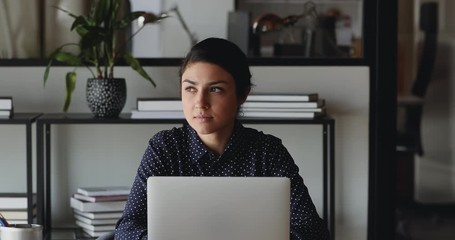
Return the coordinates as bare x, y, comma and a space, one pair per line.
6, 103
283, 97
93, 233
104, 191
95, 228
100, 198
6, 113
270, 104
17, 214
107, 221
280, 115
150, 104
16, 201
79, 234
97, 206
99, 215
158, 114
18, 221
276, 110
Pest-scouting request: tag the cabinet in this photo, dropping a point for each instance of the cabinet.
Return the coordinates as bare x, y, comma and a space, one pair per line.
46, 121
26, 119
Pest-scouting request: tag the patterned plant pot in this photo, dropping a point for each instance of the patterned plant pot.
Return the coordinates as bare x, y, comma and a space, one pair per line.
106, 97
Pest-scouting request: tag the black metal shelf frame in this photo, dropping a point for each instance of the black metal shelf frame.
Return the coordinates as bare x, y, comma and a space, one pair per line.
45, 122
26, 119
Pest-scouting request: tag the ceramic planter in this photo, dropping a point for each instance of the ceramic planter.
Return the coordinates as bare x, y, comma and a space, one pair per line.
106, 97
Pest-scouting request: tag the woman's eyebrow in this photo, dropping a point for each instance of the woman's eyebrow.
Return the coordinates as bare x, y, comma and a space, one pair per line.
217, 82
189, 81
209, 84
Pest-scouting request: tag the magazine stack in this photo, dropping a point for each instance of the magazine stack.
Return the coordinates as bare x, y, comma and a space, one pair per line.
97, 209
158, 108
283, 106
6, 107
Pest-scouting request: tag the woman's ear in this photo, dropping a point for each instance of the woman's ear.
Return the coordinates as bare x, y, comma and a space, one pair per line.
245, 95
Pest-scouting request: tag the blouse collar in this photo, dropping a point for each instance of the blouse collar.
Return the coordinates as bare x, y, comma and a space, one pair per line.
196, 143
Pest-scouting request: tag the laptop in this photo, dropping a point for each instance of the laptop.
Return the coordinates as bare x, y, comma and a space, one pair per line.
222, 208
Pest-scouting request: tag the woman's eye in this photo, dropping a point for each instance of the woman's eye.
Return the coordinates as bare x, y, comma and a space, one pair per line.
190, 89
215, 89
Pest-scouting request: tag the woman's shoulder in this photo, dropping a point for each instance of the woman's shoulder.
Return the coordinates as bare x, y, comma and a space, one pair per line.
259, 136
171, 135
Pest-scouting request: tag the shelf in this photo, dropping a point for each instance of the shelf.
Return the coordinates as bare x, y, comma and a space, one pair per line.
46, 121
26, 119
20, 118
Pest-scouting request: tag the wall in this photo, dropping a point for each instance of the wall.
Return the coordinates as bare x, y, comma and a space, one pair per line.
98, 154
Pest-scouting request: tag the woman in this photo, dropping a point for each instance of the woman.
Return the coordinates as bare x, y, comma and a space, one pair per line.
215, 82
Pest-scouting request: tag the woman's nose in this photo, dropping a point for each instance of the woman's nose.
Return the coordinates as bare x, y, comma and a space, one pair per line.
202, 100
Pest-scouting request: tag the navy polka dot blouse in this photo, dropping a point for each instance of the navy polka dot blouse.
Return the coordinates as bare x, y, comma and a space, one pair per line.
180, 152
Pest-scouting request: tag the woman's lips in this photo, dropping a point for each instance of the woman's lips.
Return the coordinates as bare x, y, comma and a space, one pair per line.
202, 117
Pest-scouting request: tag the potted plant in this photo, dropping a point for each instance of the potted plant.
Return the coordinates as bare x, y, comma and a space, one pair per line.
99, 51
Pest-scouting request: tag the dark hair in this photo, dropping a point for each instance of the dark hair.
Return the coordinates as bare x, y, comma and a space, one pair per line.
225, 54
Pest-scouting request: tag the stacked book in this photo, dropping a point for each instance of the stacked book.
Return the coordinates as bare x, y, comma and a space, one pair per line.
6, 107
97, 209
158, 108
283, 106
14, 207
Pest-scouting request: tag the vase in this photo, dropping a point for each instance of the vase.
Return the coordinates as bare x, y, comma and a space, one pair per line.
106, 97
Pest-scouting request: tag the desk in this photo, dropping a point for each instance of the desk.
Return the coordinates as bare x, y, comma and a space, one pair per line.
45, 122
26, 119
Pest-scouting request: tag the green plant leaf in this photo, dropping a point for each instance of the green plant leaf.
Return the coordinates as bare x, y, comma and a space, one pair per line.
79, 21
46, 72
101, 11
67, 58
136, 65
91, 39
66, 11
53, 56
71, 78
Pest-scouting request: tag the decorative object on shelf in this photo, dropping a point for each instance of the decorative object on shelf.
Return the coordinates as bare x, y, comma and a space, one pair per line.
270, 22
100, 49
191, 35
106, 97
307, 33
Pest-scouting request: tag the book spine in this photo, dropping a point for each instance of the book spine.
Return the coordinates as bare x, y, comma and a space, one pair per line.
97, 207
159, 105
283, 104
283, 97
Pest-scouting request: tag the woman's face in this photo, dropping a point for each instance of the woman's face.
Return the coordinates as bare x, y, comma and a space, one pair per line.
209, 99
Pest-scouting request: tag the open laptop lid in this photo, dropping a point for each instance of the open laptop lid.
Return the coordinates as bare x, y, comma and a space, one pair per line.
207, 208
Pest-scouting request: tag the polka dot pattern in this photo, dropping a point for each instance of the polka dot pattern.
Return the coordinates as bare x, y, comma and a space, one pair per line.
106, 97
180, 152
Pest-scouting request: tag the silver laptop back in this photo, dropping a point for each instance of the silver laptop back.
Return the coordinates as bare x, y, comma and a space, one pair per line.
222, 208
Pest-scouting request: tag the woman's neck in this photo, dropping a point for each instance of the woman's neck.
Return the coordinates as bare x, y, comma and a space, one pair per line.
216, 142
